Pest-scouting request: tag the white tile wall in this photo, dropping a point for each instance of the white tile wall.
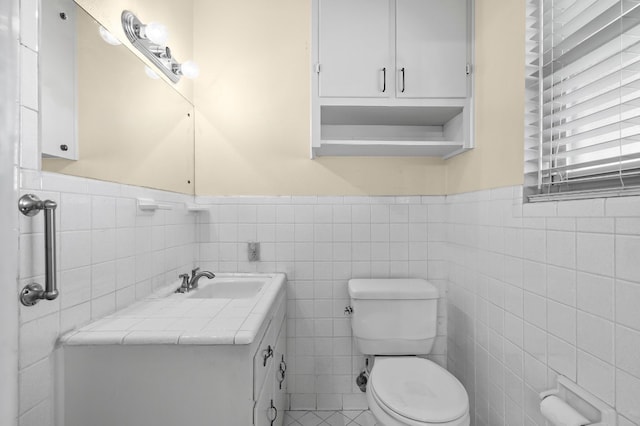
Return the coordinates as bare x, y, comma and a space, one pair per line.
322, 242
109, 255
516, 318
570, 309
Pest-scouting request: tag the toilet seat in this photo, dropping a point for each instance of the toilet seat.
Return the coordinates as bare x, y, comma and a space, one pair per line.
416, 391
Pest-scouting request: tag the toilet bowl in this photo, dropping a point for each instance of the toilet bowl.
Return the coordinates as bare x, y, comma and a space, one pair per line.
393, 320
412, 391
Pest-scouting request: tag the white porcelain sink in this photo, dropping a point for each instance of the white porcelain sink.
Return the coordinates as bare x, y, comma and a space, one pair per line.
228, 289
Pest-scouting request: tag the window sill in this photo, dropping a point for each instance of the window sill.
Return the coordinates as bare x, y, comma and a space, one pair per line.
584, 195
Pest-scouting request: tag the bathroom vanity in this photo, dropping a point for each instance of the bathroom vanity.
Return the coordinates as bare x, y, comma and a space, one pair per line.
213, 356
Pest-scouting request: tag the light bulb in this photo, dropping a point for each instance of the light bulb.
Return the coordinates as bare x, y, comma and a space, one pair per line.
151, 73
156, 33
190, 69
108, 37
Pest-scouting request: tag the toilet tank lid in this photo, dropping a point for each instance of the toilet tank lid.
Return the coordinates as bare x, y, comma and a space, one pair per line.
391, 288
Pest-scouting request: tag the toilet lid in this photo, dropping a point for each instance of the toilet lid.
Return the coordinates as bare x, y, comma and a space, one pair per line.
419, 389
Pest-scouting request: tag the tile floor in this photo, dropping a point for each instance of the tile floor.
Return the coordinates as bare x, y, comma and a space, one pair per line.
329, 418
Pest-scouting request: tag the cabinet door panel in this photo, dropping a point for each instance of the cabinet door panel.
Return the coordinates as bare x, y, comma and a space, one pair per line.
432, 48
263, 412
280, 367
353, 48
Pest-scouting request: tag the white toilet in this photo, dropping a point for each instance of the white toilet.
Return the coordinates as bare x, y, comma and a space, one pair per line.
394, 320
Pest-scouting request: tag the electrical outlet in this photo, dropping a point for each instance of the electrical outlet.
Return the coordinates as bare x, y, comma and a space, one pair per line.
253, 251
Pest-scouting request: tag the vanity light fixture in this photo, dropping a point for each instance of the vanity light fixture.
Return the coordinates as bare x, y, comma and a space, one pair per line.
150, 73
189, 69
155, 32
150, 40
108, 37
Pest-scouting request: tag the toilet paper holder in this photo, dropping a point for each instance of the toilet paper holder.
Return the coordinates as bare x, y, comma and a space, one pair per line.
594, 409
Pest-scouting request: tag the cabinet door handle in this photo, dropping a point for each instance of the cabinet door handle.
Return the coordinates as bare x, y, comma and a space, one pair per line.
384, 79
266, 354
280, 378
274, 412
402, 71
282, 372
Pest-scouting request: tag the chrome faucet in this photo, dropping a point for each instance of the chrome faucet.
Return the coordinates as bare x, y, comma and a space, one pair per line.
195, 277
191, 283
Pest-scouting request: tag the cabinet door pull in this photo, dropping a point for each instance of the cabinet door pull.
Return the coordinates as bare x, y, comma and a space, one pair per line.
280, 378
274, 412
282, 372
402, 71
384, 79
266, 354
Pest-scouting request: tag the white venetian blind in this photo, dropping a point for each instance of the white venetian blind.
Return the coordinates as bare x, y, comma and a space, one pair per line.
583, 97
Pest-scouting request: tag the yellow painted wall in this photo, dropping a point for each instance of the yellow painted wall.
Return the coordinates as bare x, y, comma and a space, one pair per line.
498, 157
253, 104
253, 111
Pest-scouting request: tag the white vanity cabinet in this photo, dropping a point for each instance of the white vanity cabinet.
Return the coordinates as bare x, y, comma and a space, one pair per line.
392, 77
195, 383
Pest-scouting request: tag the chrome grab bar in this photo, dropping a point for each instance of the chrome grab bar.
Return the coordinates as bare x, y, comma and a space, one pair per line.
30, 205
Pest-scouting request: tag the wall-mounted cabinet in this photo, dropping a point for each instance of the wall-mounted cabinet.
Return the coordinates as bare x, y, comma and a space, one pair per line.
57, 80
391, 77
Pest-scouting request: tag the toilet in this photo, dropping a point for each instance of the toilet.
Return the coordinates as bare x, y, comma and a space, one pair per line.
393, 321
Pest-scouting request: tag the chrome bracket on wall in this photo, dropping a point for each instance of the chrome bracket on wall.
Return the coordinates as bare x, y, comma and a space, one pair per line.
30, 205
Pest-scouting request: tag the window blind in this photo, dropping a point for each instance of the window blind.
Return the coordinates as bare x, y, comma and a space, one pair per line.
582, 130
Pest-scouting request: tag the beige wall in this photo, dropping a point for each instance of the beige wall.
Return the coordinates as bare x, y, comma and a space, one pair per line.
253, 105
498, 157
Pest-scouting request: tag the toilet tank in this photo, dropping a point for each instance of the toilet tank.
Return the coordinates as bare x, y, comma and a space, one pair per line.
395, 316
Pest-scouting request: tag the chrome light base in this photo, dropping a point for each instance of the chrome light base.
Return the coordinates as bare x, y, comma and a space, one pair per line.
160, 56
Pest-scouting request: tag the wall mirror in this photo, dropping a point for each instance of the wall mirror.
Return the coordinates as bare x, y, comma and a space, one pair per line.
107, 114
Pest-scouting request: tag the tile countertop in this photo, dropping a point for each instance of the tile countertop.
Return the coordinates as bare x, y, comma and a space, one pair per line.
168, 318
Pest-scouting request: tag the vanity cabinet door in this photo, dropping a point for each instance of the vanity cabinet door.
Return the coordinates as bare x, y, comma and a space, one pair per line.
265, 355
265, 412
281, 372
431, 48
263, 359
270, 397
354, 48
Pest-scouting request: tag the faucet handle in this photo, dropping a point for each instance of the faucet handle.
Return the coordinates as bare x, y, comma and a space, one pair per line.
184, 287
194, 271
